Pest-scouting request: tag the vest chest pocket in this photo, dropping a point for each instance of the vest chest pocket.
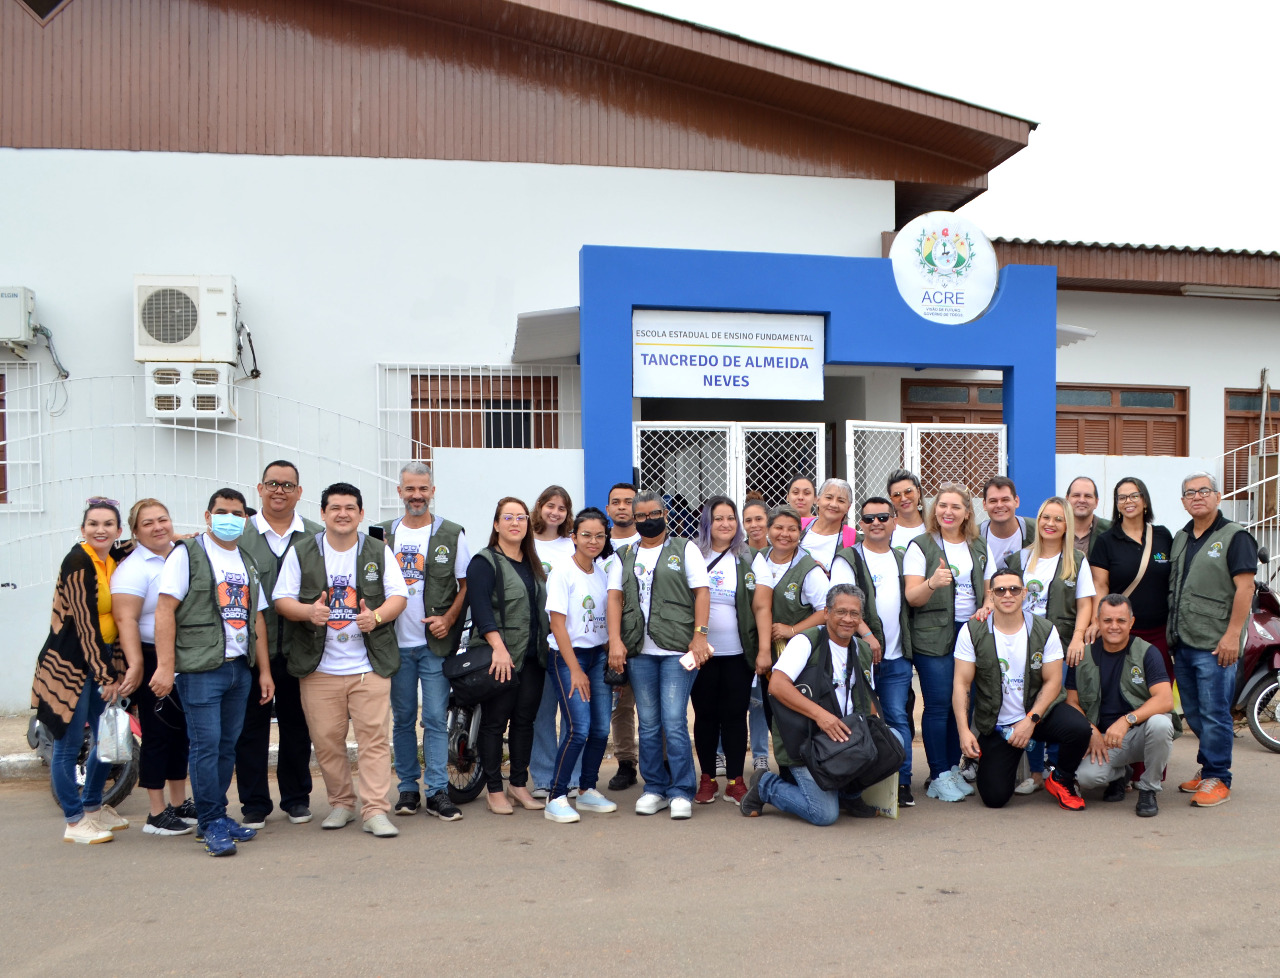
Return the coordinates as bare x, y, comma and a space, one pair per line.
932, 618
370, 590
1206, 608
681, 616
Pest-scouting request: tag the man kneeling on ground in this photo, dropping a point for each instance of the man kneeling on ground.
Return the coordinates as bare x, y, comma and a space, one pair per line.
1122, 687
1011, 660
817, 660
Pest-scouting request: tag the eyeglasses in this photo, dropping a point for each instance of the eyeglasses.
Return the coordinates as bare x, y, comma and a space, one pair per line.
1131, 497
902, 492
845, 614
274, 486
513, 518
870, 518
1203, 492
1012, 589
652, 515
101, 501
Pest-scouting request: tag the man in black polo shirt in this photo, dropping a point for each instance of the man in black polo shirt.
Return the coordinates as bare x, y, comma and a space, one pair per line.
1123, 690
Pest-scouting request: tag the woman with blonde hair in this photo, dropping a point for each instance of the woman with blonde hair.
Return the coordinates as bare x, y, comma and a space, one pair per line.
945, 571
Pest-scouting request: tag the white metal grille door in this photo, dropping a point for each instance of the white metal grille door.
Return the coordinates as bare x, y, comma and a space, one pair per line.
967, 454
771, 457
874, 450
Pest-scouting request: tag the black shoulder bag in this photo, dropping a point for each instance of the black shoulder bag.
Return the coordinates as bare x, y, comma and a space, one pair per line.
468, 669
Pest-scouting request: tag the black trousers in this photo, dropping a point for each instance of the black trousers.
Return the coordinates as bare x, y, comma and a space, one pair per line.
517, 705
293, 763
721, 694
998, 769
164, 730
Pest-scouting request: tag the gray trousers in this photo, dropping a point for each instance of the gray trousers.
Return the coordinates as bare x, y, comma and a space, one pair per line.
1150, 742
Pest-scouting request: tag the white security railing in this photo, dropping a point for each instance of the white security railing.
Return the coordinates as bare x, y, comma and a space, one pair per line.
1251, 492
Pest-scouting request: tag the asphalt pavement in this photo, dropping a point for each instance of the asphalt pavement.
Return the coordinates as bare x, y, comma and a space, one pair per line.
947, 889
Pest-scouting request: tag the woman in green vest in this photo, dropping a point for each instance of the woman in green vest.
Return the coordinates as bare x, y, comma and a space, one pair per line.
508, 595
1059, 586
722, 689
945, 571
791, 589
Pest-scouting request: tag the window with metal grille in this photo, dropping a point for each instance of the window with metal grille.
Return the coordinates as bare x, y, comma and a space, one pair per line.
1242, 431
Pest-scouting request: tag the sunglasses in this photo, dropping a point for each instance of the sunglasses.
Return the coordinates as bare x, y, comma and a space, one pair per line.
1003, 589
870, 518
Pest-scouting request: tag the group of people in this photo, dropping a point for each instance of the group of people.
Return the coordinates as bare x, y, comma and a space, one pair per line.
1054, 639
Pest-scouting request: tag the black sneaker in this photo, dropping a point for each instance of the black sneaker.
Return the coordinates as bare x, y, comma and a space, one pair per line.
905, 798
443, 808
751, 804
1115, 790
187, 812
857, 808
254, 820
298, 814
166, 823
409, 803
1146, 804
625, 777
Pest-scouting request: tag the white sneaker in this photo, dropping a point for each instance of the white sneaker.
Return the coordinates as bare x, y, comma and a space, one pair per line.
86, 832
559, 810
1028, 786
650, 803
681, 808
760, 763
108, 818
592, 801
379, 826
573, 792
338, 818
721, 766
540, 793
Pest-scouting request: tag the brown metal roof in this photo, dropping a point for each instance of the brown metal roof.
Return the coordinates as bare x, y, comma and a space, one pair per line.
1093, 267
547, 81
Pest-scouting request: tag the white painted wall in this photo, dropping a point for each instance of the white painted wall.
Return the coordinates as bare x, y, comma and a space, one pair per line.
1163, 475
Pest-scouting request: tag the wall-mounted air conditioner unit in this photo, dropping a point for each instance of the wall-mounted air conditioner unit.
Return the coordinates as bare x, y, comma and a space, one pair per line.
188, 318
17, 306
188, 391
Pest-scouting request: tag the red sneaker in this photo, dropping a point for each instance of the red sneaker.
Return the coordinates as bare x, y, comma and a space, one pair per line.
1067, 798
708, 790
736, 790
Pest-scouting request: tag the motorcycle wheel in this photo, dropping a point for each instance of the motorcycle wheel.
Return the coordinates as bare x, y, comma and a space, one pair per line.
1261, 712
121, 778
466, 773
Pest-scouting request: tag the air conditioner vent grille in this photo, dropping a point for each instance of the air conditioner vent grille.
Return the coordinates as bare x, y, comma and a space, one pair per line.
207, 402
205, 376
166, 377
169, 315
167, 402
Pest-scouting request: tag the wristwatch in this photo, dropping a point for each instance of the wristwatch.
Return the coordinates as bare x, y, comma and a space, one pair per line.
1034, 717
1131, 719
701, 629
377, 616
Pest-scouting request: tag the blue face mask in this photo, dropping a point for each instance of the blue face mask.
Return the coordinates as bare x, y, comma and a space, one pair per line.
226, 526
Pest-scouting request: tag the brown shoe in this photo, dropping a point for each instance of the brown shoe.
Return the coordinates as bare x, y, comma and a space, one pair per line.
521, 797
1212, 792
498, 803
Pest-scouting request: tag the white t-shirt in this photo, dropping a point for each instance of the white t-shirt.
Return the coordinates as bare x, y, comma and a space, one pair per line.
821, 546
1037, 581
582, 599
139, 575
884, 574
413, 553
722, 626
1001, 547
344, 650
961, 562
552, 552
695, 572
813, 590
231, 586
795, 656
275, 541
620, 542
1012, 652
902, 535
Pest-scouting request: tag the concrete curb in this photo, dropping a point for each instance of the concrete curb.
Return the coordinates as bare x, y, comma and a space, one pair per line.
28, 766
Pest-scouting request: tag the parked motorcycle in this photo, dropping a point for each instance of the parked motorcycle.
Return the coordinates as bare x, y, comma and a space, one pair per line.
1258, 676
121, 778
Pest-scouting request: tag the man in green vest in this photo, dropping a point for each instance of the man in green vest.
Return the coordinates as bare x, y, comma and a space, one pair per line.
1210, 594
1123, 690
1082, 497
1004, 531
341, 592
267, 535
209, 623
433, 556
835, 667
1013, 663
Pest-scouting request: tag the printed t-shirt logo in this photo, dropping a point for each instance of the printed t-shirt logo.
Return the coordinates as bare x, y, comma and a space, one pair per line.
588, 606
233, 603
412, 564
343, 605
1034, 589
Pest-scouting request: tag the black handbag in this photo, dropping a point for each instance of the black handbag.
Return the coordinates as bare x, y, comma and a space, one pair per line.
889, 755
869, 756
468, 673
615, 677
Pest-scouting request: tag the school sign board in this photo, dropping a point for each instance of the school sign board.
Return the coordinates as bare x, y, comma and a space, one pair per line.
731, 355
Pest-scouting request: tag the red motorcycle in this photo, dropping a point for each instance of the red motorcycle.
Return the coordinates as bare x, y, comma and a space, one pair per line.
1258, 675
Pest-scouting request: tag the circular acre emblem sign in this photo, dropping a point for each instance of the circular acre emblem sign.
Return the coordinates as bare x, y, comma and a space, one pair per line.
945, 267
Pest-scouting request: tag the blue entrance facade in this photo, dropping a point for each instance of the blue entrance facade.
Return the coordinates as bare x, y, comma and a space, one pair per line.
867, 323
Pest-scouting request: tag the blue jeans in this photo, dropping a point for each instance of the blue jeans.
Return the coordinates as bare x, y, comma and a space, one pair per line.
893, 684
215, 703
756, 723
586, 726
1206, 690
420, 668
661, 686
938, 724
66, 751
546, 748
